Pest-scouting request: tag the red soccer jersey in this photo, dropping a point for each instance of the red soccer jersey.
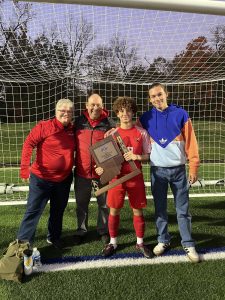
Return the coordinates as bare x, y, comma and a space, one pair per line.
137, 140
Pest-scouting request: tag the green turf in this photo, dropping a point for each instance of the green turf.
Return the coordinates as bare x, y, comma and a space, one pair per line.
11, 141
181, 282
209, 136
169, 281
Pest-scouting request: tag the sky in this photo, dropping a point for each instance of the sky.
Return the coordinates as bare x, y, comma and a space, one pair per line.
154, 33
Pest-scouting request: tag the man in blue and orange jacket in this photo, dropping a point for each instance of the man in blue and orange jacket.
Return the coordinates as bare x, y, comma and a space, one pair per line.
173, 143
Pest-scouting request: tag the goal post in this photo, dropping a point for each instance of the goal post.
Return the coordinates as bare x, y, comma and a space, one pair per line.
62, 49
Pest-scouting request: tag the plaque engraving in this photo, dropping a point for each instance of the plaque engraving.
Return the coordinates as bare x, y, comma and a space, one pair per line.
108, 154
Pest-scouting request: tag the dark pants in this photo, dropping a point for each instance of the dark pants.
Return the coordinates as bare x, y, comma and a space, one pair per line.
83, 190
40, 191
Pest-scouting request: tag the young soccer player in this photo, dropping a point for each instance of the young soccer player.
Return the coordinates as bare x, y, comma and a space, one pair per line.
137, 141
173, 144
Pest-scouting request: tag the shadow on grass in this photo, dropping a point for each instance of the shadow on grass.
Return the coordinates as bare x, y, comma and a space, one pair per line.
196, 218
209, 240
131, 245
51, 252
213, 205
220, 222
27, 279
202, 240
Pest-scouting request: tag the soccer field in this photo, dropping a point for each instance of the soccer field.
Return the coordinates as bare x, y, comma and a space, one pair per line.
180, 280
57, 49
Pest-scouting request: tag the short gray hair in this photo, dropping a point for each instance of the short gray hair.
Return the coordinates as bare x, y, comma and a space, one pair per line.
61, 102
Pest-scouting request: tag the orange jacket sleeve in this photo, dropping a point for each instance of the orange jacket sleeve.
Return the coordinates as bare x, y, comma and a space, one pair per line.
191, 147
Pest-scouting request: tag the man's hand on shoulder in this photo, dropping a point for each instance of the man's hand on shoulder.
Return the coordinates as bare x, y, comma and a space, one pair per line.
109, 132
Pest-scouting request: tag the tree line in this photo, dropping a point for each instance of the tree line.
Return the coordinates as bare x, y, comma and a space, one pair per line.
34, 71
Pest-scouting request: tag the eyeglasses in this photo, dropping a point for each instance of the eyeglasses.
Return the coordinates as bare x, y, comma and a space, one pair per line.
69, 112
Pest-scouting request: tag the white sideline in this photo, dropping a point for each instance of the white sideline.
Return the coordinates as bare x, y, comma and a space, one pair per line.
22, 202
120, 262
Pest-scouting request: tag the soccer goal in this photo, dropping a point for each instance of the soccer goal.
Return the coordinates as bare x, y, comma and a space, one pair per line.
63, 49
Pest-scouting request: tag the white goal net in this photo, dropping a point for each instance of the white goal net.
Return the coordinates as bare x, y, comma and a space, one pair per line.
53, 50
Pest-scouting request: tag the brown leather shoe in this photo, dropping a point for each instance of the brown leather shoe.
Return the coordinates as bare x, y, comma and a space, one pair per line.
108, 250
146, 251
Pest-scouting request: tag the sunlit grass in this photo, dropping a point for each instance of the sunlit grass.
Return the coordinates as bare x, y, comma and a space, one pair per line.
169, 281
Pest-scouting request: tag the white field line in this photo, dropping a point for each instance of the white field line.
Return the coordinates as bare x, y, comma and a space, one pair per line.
11, 188
122, 262
23, 202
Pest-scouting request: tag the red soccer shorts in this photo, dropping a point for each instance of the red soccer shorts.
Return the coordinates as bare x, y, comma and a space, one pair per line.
135, 189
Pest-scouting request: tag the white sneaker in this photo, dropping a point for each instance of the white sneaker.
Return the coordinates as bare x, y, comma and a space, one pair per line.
161, 248
192, 254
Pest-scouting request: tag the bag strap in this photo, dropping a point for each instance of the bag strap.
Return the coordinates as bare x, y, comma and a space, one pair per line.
17, 251
11, 244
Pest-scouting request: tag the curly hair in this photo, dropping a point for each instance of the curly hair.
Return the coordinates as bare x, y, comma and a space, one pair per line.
124, 102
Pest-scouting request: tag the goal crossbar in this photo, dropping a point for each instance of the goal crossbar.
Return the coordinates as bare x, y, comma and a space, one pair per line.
213, 7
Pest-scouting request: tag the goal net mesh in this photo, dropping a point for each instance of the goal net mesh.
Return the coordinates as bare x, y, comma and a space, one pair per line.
52, 51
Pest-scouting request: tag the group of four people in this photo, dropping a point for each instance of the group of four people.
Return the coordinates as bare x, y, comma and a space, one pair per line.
163, 134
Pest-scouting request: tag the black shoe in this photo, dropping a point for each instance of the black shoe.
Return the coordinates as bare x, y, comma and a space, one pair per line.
105, 238
108, 250
78, 239
55, 243
147, 252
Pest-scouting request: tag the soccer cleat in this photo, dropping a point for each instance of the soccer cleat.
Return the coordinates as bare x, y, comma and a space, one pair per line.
192, 254
108, 250
55, 243
161, 248
147, 252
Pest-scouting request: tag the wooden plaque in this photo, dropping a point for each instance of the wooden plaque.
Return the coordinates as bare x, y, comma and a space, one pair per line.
108, 154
